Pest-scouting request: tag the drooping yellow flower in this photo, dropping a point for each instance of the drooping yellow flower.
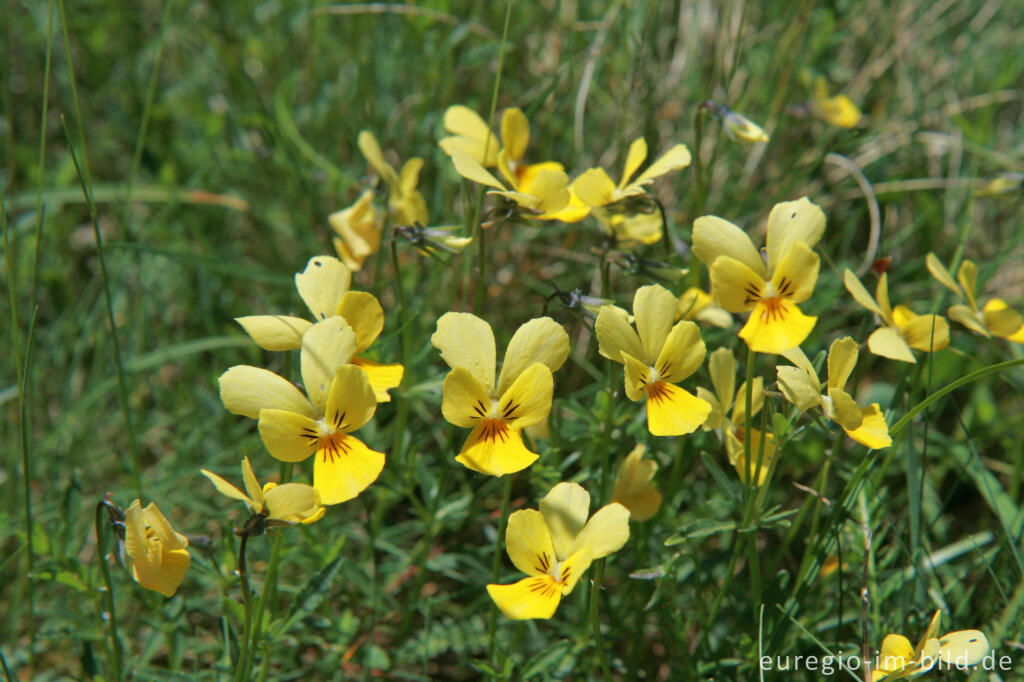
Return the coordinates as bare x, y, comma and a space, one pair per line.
839, 110
280, 505
406, 204
324, 288
739, 127
898, 660
158, 553
728, 416
656, 358
992, 319
497, 412
697, 304
357, 231
901, 328
800, 386
741, 280
554, 546
295, 427
633, 487
595, 188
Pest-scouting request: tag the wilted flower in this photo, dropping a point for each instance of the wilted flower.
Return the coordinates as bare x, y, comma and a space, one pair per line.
157, 552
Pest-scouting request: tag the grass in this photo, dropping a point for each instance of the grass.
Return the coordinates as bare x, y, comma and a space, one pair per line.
213, 140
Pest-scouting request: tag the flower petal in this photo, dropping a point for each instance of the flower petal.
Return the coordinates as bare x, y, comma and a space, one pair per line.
527, 174
472, 132
158, 523
246, 390
275, 332
633, 488
467, 341
322, 284
887, 342
288, 436
722, 367
341, 474
495, 449
528, 542
842, 358
799, 387
468, 166
940, 273
573, 212
328, 345
634, 159
382, 377
797, 272
293, 503
565, 509
735, 286
540, 340
252, 486
654, 308
605, 532
739, 407
791, 222
362, 312
534, 597
226, 489
738, 455
673, 411
873, 431
775, 326
464, 401
515, 133
551, 187
594, 187
635, 377
859, 293
896, 653
963, 647
528, 400
967, 275
714, 237
676, 158
166, 576
351, 401
966, 317
926, 332
682, 354
370, 148
845, 409
717, 415
1002, 321
615, 335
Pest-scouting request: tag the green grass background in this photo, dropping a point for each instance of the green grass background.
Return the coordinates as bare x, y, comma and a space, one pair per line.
232, 128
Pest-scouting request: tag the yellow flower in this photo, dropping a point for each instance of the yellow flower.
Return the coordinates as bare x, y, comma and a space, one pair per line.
357, 229
838, 110
554, 546
899, 660
324, 287
800, 386
1001, 185
405, 203
901, 329
993, 319
740, 127
294, 427
157, 552
633, 487
741, 280
656, 358
697, 304
497, 412
543, 195
280, 505
595, 188
470, 135
728, 416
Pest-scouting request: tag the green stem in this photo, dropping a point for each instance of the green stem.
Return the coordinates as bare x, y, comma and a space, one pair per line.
108, 598
506, 496
698, 164
402, 416
748, 418
595, 620
243, 581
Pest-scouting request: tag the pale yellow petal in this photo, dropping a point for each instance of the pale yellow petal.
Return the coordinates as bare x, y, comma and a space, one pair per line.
798, 387
467, 341
736, 287
370, 148
654, 308
275, 332
540, 340
528, 400
737, 456
966, 317
895, 654
674, 411
797, 273
565, 509
293, 503
362, 312
615, 335
1002, 321
634, 159
246, 390
722, 367
526, 175
605, 532
844, 409
288, 436
464, 401
528, 542
226, 489
533, 597
252, 486
322, 284
633, 488
467, 124
739, 406
963, 647
469, 167
714, 237
167, 576
717, 415
882, 297
676, 158
551, 187
842, 358
859, 293
682, 353
776, 326
873, 431
328, 345
594, 187
343, 472
887, 342
715, 316
574, 211
382, 377
940, 273
967, 275
515, 133
926, 332
635, 376
494, 449
161, 527
351, 401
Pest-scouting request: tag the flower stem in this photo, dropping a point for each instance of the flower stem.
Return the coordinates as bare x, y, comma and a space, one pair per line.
108, 599
398, 449
243, 581
698, 164
595, 621
492, 623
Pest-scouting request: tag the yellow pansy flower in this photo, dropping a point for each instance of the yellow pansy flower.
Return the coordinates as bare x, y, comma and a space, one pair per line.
294, 427
554, 546
633, 487
498, 411
470, 135
901, 328
656, 355
406, 204
697, 304
992, 319
739, 127
728, 416
542, 196
839, 110
800, 386
898, 660
595, 188
158, 554
324, 288
741, 280
279, 505
357, 231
